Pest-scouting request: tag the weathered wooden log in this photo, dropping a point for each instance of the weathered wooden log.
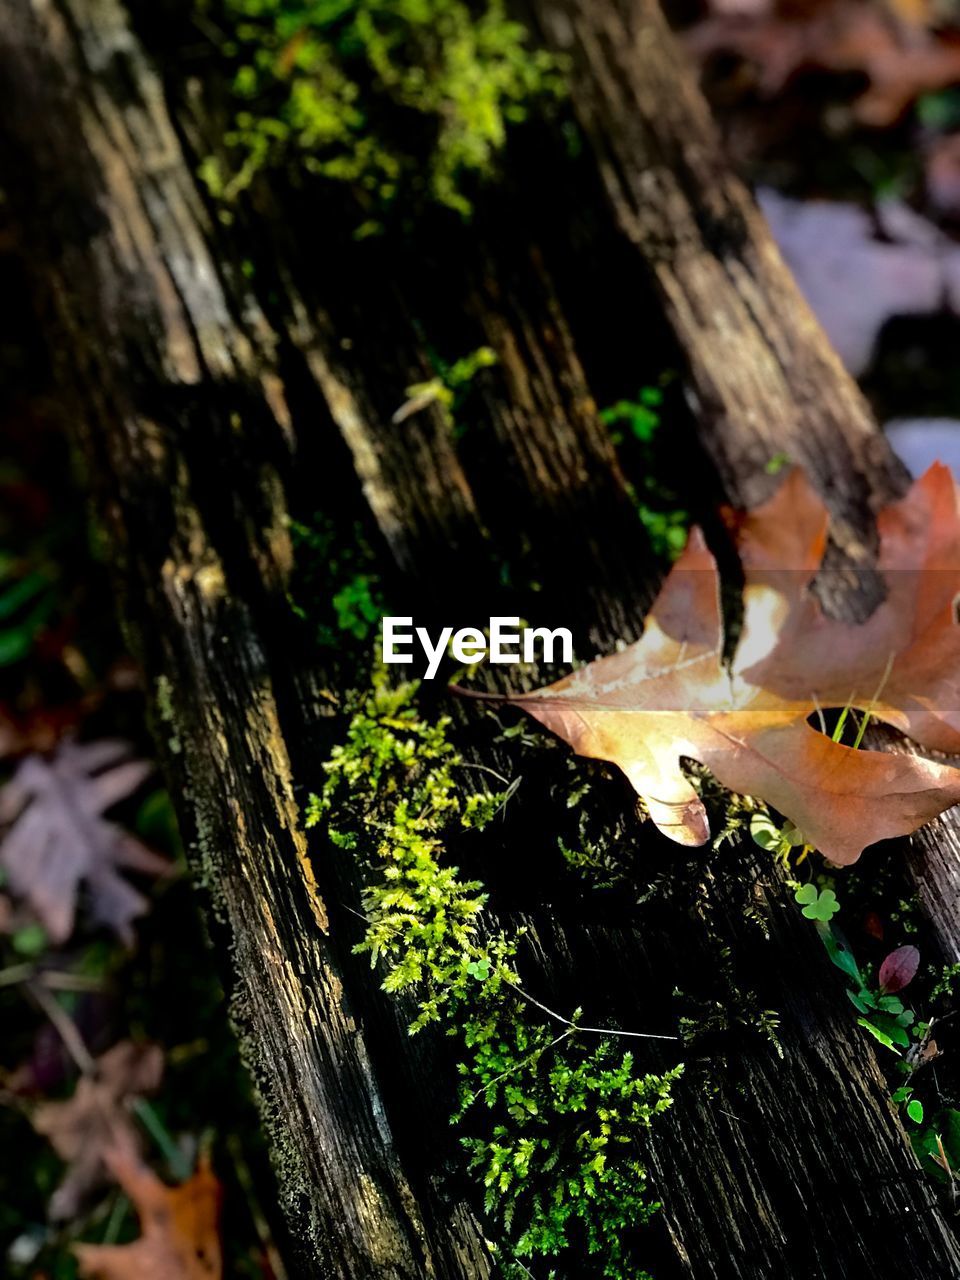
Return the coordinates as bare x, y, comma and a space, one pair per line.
185, 423
192, 405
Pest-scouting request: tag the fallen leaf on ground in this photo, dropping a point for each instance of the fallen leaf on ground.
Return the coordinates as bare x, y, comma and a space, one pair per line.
180, 1238
58, 838
670, 696
900, 60
858, 269
95, 1121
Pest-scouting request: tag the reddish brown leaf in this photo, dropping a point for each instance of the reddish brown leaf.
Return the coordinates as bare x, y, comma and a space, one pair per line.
899, 61
180, 1239
873, 925
899, 969
908, 651
96, 1120
670, 695
58, 837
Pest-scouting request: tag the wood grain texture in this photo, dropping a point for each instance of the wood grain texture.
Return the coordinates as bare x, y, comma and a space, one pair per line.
185, 424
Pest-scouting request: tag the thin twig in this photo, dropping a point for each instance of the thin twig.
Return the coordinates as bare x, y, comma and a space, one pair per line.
262, 1227
537, 1053
15, 973
596, 1031
58, 981
65, 1028
484, 768
52, 978
558, 1017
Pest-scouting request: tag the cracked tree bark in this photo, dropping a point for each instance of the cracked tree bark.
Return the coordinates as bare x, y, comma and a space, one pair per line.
201, 403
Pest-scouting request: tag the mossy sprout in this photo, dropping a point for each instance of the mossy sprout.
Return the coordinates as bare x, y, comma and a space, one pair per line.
552, 1114
388, 96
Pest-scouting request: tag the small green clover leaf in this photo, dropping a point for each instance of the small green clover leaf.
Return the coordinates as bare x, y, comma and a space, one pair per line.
479, 969
817, 904
765, 831
792, 835
825, 908
914, 1106
768, 835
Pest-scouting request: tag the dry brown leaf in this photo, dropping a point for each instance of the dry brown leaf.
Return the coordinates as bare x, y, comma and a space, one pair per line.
95, 1121
58, 838
670, 696
180, 1238
909, 649
900, 57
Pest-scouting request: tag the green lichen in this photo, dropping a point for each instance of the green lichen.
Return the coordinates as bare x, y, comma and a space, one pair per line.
389, 96
164, 704
552, 1118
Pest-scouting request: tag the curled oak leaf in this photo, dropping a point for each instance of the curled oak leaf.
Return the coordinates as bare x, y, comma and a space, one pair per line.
180, 1237
898, 970
58, 838
670, 695
904, 661
96, 1120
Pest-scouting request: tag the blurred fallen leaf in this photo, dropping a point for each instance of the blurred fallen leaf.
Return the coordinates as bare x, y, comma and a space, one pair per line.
96, 1120
180, 1239
57, 837
892, 48
670, 696
858, 270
